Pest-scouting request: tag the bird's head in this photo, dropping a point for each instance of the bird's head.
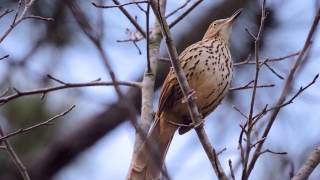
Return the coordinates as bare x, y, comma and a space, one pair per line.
222, 27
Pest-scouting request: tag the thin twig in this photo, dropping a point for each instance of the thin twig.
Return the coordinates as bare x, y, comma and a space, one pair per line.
38, 18
44, 123
273, 71
4, 57
46, 90
4, 92
118, 5
272, 152
7, 11
15, 158
248, 86
247, 60
178, 9
231, 170
148, 38
18, 18
254, 91
241, 113
131, 19
183, 15
302, 89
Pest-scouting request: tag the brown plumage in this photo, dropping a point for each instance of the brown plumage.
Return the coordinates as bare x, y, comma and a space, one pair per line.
208, 68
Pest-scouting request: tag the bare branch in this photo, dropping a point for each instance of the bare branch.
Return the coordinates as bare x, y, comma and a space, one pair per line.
28, 129
46, 90
248, 86
57, 80
272, 152
183, 15
4, 57
302, 89
250, 34
247, 60
254, 91
241, 113
221, 151
273, 71
119, 5
4, 92
286, 88
309, 166
3, 148
131, 19
14, 157
178, 9
38, 18
18, 18
136, 45
231, 170
4, 13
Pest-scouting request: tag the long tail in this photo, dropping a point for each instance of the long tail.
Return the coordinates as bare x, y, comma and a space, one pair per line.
147, 163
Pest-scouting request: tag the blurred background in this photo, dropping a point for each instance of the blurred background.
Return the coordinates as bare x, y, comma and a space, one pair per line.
95, 141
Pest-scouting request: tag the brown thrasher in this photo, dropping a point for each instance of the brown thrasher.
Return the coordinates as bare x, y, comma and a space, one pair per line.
208, 68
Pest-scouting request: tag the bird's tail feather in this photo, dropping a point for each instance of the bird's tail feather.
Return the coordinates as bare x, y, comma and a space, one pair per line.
147, 162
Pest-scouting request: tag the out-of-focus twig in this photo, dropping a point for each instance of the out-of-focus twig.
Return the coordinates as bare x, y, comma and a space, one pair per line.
19, 18
7, 11
4, 57
127, 14
178, 9
44, 123
183, 15
14, 157
231, 170
64, 85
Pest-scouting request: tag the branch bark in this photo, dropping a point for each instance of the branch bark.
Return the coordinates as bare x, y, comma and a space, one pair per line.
309, 166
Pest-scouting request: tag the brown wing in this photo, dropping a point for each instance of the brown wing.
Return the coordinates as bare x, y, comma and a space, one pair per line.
167, 94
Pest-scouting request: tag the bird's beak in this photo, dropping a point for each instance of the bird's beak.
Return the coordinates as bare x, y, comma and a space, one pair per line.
234, 16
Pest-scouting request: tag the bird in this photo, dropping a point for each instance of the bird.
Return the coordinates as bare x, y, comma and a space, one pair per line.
208, 67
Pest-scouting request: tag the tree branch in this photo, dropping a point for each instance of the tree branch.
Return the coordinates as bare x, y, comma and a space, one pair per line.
309, 166
64, 85
28, 129
14, 157
286, 89
19, 18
